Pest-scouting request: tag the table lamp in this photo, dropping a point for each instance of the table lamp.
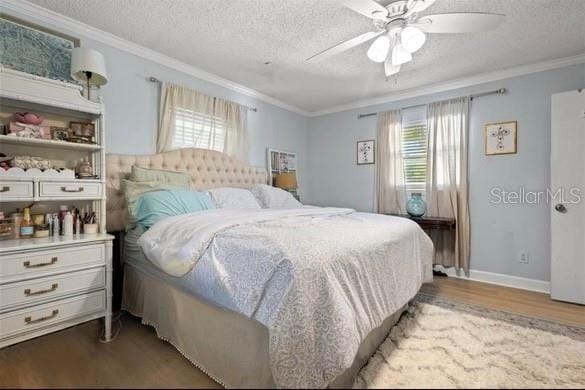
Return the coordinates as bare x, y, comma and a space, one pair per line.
286, 181
88, 66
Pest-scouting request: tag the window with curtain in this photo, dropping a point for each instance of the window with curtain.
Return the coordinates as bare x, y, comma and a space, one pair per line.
190, 119
198, 130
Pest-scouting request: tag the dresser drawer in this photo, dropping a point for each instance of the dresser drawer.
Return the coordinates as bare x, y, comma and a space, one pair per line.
26, 320
34, 264
36, 290
10, 190
69, 190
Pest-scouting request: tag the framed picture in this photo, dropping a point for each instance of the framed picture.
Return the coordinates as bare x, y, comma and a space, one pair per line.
59, 133
365, 152
501, 138
84, 130
35, 50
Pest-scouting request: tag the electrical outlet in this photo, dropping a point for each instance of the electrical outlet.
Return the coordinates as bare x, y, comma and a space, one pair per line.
523, 257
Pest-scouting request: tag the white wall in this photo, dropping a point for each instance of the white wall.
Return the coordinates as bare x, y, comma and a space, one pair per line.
132, 107
498, 232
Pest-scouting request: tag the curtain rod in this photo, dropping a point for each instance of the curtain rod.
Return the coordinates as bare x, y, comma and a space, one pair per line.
155, 80
500, 91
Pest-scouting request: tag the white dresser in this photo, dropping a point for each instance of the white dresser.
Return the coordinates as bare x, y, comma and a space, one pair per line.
47, 284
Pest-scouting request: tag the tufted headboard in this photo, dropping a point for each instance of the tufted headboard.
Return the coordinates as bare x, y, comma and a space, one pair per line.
207, 168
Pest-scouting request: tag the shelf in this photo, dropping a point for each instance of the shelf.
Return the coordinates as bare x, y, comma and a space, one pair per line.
36, 243
48, 143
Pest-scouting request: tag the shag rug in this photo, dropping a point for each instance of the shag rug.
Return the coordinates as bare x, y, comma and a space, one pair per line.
444, 344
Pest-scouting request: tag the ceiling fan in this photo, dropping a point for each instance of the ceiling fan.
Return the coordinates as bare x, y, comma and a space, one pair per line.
400, 31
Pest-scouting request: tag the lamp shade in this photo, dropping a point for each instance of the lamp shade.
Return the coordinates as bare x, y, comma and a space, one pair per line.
87, 60
286, 181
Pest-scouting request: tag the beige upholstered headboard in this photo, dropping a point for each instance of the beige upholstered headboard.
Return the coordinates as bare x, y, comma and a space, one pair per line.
207, 168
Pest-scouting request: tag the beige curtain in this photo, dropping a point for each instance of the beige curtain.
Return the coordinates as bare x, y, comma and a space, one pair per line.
446, 189
219, 124
390, 188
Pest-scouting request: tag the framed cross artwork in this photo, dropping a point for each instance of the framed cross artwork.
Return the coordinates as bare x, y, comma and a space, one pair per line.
501, 138
365, 152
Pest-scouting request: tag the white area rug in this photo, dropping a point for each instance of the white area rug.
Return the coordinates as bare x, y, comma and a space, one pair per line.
444, 344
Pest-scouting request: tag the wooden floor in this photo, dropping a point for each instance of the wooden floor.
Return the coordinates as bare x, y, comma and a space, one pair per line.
137, 358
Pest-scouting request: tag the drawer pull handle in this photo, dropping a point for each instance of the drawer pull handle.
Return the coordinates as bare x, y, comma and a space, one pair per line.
29, 293
5, 189
27, 264
30, 321
65, 189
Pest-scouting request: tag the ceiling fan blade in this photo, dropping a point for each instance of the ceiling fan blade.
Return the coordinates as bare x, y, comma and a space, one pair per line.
345, 46
417, 6
366, 7
459, 23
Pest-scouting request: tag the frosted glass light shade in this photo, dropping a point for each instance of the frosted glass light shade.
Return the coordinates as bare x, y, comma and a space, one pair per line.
412, 39
87, 60
390, 69
400, 55
378, 51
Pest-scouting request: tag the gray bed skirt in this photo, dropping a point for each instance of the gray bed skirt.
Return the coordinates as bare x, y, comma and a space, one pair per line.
229, 347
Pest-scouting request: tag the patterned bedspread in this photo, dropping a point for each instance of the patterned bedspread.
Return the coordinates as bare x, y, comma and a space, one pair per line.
320, 279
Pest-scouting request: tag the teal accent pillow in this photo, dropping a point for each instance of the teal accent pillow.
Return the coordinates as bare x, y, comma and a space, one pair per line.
153, 206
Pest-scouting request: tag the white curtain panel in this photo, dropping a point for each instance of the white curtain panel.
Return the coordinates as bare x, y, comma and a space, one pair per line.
390, 187
446, 187
191, 119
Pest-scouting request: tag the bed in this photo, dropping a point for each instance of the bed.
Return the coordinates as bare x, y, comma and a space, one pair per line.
236, 347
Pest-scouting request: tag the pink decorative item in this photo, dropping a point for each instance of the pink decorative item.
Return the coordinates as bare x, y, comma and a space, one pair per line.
28, 118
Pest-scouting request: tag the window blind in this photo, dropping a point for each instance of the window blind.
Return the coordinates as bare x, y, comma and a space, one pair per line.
197, 130
414, 154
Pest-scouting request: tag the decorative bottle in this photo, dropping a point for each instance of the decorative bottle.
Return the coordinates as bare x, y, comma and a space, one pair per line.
416, 206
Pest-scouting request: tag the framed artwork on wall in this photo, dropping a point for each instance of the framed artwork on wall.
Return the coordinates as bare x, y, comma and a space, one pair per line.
366, 152
501, 138
35, 50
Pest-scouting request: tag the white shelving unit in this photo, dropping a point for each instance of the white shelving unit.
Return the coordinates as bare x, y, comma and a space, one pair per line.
47, 284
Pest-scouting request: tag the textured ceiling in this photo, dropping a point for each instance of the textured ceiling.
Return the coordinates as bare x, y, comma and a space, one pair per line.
234, 38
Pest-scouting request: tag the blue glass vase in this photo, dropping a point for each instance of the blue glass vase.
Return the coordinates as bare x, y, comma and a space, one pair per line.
416, 206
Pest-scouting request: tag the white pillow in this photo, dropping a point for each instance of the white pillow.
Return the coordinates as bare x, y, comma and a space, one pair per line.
233, 198
274, 198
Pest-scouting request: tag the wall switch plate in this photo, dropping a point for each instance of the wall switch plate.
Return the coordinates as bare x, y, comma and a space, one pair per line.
523, 257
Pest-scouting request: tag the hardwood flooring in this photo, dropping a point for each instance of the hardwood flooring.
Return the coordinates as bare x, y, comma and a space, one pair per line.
137, 358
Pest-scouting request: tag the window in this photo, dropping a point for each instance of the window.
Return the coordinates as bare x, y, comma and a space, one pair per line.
197, 130
414, 154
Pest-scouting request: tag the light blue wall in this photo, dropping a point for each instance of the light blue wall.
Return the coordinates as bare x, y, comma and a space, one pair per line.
498, 232
132, 108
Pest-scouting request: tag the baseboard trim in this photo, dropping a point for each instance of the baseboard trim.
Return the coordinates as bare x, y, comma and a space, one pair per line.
499, 279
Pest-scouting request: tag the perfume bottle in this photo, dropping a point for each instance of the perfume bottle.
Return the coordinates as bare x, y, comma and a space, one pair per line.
27, 228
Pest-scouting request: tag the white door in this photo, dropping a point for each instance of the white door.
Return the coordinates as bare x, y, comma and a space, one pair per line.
568, 214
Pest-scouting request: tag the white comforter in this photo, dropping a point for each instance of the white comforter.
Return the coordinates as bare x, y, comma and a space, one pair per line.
320, 279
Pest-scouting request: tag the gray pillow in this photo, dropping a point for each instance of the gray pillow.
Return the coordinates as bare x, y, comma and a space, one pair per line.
159, 175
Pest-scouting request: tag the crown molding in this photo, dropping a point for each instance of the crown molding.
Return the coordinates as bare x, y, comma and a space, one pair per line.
456, 84
58, 21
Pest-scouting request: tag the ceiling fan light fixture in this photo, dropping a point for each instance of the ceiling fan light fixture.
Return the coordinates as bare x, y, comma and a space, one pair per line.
400, 55
412, 38
390, 69
378, 51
